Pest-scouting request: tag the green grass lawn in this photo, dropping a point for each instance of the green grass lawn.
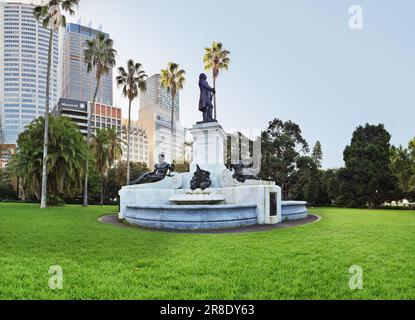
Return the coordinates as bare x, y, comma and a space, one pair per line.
107, 262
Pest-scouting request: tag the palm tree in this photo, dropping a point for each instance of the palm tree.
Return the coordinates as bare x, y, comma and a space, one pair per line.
50, 15
172, 79
115, 150
100, 152
216, 59
115, 144
99, 56
132, 81
67, 155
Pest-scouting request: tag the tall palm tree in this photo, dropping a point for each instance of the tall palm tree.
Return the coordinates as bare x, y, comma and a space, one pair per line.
173, 79
51, 17
99, 56
115, 145
132, 81
115, 150
216, 59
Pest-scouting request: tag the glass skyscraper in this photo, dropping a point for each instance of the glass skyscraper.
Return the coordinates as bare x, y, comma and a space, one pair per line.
23, 69
77, 83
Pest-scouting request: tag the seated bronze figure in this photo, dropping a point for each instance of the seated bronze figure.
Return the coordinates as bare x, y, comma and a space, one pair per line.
239, 173
200, 180
161, 170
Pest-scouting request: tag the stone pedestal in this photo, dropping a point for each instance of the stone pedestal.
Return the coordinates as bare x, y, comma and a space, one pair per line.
209, 142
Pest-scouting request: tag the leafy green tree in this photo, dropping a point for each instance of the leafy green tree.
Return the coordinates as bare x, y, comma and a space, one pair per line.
173, 79
132, 80
306, 182
7, 190
403, 168
66, 158
118, 174
50, 15
367, 179
282, 146
216, 59
106, 148
330, 182
317, 154
99, 56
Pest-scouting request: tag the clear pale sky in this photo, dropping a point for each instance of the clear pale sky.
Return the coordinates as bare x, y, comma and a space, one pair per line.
295, 60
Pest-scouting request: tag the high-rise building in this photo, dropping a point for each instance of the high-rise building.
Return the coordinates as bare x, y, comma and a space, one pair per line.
155, 118
24, 47
103, 116
77, 83
138, 143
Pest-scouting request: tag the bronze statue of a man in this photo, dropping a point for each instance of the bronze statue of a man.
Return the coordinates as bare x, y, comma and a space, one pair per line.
206, 96
161, 170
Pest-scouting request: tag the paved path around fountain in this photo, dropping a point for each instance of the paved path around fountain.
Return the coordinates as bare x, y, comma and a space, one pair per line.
113, 220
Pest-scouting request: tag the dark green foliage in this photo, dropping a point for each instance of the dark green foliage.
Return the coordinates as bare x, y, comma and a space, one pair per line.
282, 146
367, 179
317, 154
66, 154
307, 184
118, 175
7, 190
403, 168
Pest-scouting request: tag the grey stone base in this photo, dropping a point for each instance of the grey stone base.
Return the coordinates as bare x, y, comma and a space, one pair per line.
212, 217
294, 210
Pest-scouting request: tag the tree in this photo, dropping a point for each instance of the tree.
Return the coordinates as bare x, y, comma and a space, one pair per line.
67, 155
99, 55
216, 59
132, 81
7, 191
403, 168
282, 145
100, 153
330, 182
106, 149
306, 183
117, 176
172, 79
50, 15
367, 179
317, 154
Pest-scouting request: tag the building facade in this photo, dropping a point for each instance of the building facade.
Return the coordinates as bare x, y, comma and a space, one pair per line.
76, 110
103, 116
155, 118
138, 143
106, 116
77, 83
24, 47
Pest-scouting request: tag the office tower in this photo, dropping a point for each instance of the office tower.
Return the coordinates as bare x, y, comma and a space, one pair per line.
103, 116
24, 47
138, 143
155, 118
77, 83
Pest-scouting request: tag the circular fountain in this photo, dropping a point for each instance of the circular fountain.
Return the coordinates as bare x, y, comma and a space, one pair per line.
226, 202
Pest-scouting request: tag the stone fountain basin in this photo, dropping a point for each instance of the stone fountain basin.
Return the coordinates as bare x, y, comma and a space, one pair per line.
197, 197
193, 217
